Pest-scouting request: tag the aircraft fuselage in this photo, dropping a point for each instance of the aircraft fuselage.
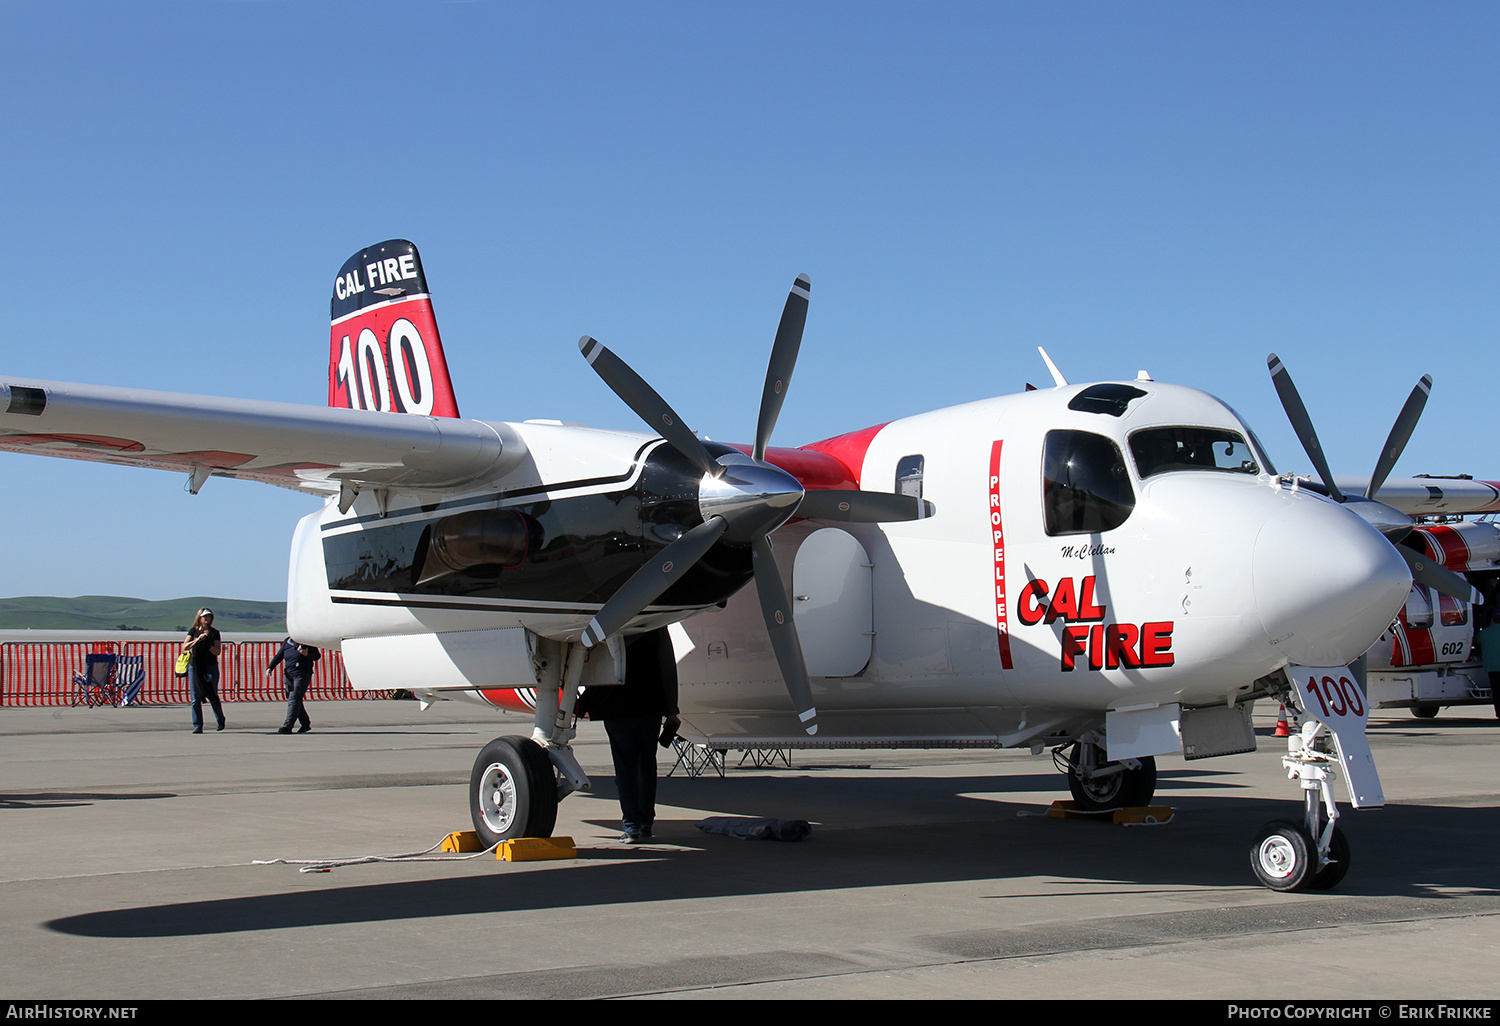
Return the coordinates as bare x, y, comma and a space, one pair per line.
1091, 548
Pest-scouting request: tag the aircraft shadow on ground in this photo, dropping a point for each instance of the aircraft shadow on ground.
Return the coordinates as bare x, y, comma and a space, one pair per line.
786, 795
72, 799
1395, 854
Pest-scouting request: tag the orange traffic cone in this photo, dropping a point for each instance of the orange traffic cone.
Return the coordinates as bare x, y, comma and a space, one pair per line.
1281, 727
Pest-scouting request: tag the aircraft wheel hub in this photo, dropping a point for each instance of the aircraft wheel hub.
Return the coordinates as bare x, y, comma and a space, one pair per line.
1277, 856
497, 797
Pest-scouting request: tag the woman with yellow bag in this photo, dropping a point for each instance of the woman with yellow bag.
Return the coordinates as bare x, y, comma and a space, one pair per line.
202, 647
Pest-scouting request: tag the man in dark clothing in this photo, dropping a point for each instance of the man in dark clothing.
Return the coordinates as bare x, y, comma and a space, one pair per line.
297, 661
634, 713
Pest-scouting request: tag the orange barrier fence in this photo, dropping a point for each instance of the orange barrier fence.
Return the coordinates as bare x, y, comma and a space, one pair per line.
41, 673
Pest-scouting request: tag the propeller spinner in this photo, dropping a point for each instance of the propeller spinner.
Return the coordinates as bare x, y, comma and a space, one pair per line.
741, 500
1386, 519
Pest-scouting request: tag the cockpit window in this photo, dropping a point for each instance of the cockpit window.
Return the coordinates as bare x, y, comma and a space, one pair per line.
1265, 457
1158, 450
1418, 607
1085, 486
1110, 397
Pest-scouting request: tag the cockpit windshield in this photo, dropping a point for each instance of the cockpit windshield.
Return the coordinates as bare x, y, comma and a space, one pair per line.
1163, 449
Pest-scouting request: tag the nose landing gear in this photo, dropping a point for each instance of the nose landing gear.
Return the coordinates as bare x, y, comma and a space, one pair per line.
1313, 854
1284, 856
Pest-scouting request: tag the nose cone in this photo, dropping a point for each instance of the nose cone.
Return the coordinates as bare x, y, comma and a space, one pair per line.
754, 498
1326, 583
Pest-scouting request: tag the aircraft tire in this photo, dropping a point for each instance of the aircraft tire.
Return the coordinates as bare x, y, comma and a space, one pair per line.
1126, 789
512, 791
1329, 876
1283, 856
1425, 710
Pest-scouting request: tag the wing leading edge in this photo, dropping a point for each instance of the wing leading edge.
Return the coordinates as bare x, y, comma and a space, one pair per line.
306, 448
1431, 496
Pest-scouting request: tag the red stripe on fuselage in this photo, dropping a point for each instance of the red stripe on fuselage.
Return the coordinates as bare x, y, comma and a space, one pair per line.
1413, 643
1002, 615
849, 449
1493, 507
509, 699
814, 471
1452, 550
834, 463
1423, 652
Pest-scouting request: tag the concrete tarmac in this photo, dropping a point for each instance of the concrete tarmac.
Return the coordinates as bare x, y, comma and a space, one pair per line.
128, 851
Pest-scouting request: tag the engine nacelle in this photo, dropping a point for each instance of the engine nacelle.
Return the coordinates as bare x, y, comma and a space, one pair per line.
1470, 545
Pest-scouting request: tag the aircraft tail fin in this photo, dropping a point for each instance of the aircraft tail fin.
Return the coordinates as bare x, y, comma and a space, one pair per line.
384, 352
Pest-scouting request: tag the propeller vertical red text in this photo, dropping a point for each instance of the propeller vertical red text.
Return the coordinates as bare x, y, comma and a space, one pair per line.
997, 532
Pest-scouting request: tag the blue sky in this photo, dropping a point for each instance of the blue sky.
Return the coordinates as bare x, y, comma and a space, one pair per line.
1180, 187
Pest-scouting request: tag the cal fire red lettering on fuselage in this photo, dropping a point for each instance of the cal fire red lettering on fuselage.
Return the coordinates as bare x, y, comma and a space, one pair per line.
1085, 636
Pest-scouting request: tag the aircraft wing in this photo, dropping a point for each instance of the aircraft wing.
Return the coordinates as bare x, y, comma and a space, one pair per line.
308, 448
1430, 496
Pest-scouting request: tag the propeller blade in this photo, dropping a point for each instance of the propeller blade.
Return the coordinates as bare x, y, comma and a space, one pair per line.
646, 403
783, 362
857, 507
777, 609
655, 577
1439, 578
1401, 431
1302, 423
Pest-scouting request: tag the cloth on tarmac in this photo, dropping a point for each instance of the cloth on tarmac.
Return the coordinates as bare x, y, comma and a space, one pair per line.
749, 828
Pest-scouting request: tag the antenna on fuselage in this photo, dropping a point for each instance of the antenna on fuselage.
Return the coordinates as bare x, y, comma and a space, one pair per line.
1057, 378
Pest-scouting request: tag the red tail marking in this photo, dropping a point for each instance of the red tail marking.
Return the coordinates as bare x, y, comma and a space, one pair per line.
390, 358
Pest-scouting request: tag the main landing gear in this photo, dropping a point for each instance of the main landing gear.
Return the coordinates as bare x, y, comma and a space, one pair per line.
517, 782
512, 791
1099, 785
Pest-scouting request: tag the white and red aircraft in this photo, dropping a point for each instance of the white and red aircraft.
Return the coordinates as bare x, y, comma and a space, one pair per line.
1113, 570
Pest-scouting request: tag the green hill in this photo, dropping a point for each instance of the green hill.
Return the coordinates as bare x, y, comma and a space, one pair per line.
111, 612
